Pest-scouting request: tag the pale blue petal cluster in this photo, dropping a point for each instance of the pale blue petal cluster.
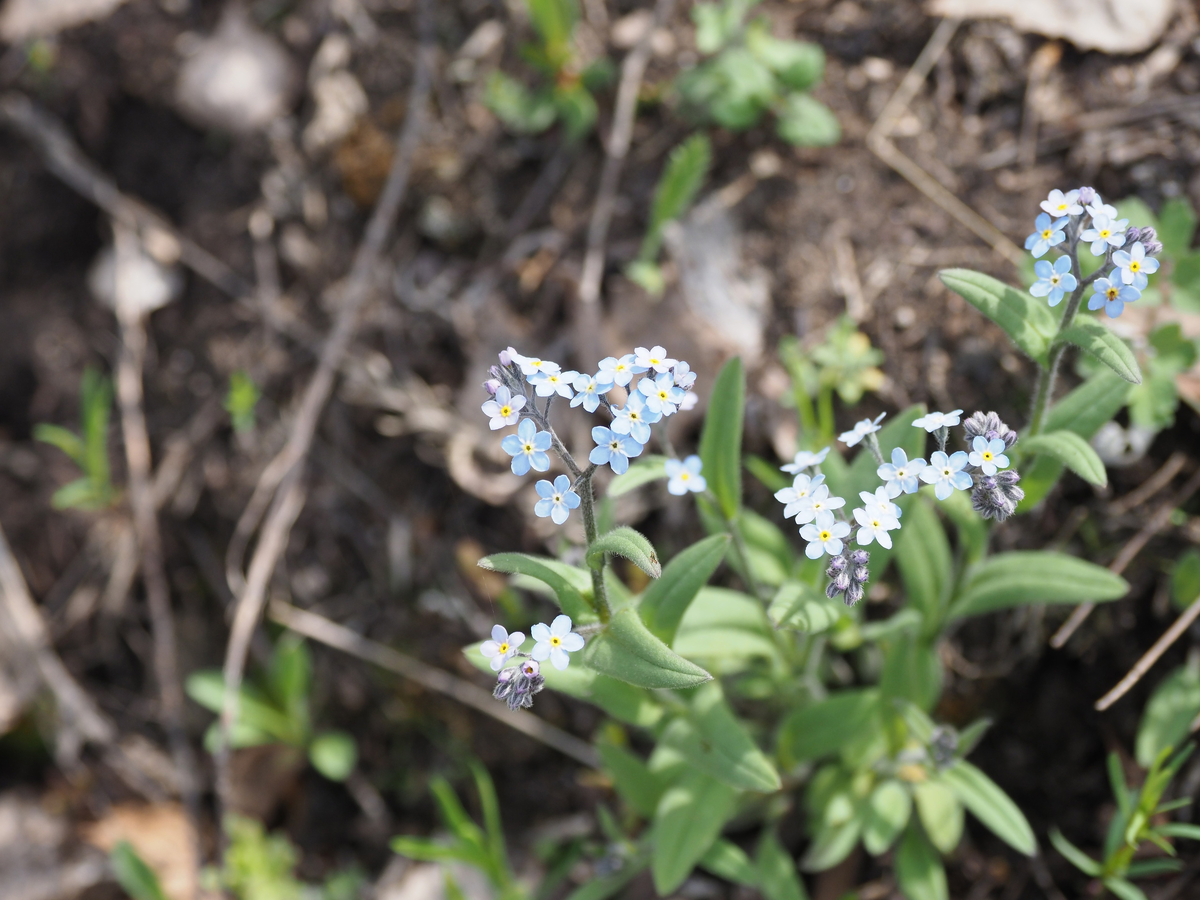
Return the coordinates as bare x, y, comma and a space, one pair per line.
946, 473
557, 499
901, 473
528, 448
685, 476
1047, 233
1054, 280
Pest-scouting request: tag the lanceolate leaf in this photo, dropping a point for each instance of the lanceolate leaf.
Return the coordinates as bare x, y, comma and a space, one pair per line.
566, 581
1167, 719
635, 783
626, 650
713, 740
682, 179
941, 814
918, 868
1072, 451
666, 600
729, 861
1023, 577
721, 440
689, 818
926, 566
1027, 320
626, 542
801, 607
888, 809
641, 471
1099, 341
824, 727
136, 878
991, 806
778, 878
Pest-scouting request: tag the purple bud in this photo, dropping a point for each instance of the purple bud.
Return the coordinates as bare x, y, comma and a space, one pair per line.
860, 557
1149, 234
853, 594
1087, 196
861, 575
842, 582
1008, 476
831, 590
836, 564
491, 386
1132, 234
1153, 248
505, 359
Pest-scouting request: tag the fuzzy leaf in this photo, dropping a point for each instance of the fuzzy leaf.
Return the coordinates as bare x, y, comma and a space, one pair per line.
798, 64
1098, 340
721, 439
712, 739
918, 869
566, 581
1024, 577
627, 651
1176, 226
626, 542
1072, 451
519, 109
1074, 855
666, 600
689, 818
991, 806
635, 783
1027, 320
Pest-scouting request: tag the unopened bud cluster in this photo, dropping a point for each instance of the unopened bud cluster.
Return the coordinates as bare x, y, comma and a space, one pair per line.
848, 576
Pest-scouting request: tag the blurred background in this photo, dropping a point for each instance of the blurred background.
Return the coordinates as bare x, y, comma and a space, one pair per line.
194, 196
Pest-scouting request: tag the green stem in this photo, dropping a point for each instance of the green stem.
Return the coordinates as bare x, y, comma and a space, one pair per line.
587, 506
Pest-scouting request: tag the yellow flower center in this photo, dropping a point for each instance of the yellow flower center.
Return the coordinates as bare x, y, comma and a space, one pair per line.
558, 498
662, 395
824, 536
506, 411
504, 647
1112, 292
555, 640
874, 523
987, 455
529, 448
1135, 266
1062, 207
1046, 234
1055, 279
633, 416
684, 476
946, 472
1104, 232
654, 361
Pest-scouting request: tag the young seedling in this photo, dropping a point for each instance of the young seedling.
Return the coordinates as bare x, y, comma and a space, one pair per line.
89, 449
240, 401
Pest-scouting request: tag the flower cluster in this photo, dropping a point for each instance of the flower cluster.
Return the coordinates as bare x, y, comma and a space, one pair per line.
1081, 216
517, 684
663, 388
983, 470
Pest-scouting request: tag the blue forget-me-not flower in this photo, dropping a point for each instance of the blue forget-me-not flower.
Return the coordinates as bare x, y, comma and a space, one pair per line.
635, 418
901, 473
503, 409
1112, 296
613, 448
557, 499
685, 476
528, 448
988, 455
1105, 232
1054, 279
1135, 266
946, 473
805, 459
1047, 233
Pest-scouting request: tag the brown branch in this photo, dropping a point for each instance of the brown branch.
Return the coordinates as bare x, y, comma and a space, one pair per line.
287, 468
1156, 524
432, 678
65, 160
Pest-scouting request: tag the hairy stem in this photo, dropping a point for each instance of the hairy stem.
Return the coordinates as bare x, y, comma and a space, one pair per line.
587, 506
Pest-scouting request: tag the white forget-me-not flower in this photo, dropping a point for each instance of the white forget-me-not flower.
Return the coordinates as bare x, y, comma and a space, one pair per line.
1047, 233
685, 476
1060, 204
824, 536
528, 448
1112, 295
1105, 232
816, 503
901, 473
796, 496
1135, 266
557, 499
547, 384
805, 459
932, 421
860, 430
655, 358
1054, 280
684, 376
617, 371
555, 642
881, 499
635, 418
503, 409
988, 455
502, 647
874, 525
946, 473
613, 448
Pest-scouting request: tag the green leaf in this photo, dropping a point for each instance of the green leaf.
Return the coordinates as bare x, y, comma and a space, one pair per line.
726, 629
1125, 890
1027, 320
666, 600
684, 175
778, 878
727, 860
1179, 830
553, 19
1185, 579
804, 121
689, 818
649, 276
941, 814
912, 671
712, 739
626, 542
768, 549
824, 727
66, 441
207, 688
632, 778
566, 581
642, 471
136, 878
801, 607
926, 565
918, 870
1024, 577
289, 677
577, 109
627, 651
1072, 451
972, 529
798, 64
991, 806
1097, 339
721, 439
831, 844
770, 477
907, 620
334, 754
1150, 867
888, 810
1169, 714
518, 108
1176, 226
83, 493
1074, 855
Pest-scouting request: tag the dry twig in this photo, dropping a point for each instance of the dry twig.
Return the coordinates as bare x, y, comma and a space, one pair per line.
615, 149
68, 162
286, 470
1156, 524
430, 677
